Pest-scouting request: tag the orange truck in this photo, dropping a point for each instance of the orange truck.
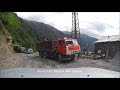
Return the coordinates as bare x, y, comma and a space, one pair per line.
61, 49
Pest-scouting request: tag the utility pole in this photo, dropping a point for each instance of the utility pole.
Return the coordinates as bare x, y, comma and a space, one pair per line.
75, 33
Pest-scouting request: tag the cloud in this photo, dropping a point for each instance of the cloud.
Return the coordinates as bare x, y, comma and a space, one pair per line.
99, 26
36, 18
92, 33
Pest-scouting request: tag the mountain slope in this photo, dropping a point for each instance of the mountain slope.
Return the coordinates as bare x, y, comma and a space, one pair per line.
48, 31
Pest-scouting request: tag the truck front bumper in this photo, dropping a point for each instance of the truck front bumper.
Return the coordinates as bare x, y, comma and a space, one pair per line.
74, 52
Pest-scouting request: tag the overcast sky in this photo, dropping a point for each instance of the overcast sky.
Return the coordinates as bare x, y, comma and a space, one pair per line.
91, 23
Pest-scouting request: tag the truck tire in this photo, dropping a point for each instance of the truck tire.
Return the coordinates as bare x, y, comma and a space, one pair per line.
45, 55
72, 57
41, 54
59, 58
78, 56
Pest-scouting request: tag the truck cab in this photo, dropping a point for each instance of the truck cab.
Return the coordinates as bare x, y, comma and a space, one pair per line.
68, 46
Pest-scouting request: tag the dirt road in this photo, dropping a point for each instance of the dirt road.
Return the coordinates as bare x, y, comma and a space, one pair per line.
34, 61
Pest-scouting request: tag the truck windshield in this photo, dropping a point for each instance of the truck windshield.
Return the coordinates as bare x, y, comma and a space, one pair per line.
73, 42
69, 43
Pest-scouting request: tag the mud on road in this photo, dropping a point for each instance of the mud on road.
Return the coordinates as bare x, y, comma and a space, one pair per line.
34, 61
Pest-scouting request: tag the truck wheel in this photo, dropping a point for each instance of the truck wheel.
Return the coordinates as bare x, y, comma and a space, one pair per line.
59, 58
78, 56
72, 57
40, 54
45, 55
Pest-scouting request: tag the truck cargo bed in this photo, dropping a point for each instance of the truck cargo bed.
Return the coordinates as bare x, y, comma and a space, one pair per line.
47, 46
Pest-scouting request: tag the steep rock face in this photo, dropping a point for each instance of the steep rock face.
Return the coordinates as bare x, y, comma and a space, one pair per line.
5, 41
6, 48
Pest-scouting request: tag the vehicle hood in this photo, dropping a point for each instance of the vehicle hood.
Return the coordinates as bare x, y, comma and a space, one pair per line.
83, 72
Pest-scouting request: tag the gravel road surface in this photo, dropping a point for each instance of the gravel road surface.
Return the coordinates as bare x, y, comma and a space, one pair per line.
34, 61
